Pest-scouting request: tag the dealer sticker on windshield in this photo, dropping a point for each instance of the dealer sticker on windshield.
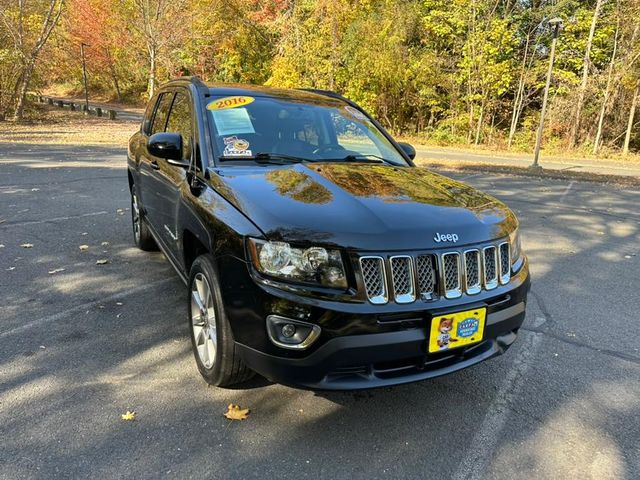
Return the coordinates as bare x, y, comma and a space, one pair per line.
457, 329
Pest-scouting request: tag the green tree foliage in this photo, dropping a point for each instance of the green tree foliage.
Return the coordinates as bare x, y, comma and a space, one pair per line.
452, 71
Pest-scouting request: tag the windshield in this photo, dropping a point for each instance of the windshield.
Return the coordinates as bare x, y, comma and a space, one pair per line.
250, 126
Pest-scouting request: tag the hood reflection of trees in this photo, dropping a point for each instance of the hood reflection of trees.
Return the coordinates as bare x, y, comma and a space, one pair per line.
299, 186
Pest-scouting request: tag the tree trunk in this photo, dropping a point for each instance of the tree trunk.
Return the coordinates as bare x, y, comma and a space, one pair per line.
470, 128
25, 80
151, 88
632, 112
116, 85
479, 125
519, 99
607, 91
575, 127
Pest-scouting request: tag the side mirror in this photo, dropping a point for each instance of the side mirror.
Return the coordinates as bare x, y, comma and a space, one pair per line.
408, 149
167, 145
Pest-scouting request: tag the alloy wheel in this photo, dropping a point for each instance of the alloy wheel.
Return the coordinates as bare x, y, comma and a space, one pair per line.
203, 320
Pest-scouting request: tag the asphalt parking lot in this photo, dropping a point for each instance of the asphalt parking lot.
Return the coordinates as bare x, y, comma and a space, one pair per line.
80, 346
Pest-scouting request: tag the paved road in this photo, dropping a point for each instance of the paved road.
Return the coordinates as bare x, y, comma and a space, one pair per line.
600, 166
81, 346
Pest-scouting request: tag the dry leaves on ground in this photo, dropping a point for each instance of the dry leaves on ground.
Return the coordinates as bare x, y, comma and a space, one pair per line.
234, 412
129, 416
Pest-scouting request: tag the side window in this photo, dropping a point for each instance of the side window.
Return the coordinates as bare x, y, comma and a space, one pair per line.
180, 122
160, 118
148, 114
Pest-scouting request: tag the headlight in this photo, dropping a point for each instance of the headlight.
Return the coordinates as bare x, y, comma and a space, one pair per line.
310, 265
516, 248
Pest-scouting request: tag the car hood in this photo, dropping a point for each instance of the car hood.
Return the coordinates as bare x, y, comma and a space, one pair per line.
361, 206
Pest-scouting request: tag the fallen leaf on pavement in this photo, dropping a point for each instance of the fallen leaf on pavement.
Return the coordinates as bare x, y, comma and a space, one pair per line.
120, 211
234, 412
26, 245
56, 270
84, 247
129, 416
102, 261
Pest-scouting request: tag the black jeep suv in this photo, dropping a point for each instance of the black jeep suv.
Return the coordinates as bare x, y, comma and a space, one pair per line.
314, 251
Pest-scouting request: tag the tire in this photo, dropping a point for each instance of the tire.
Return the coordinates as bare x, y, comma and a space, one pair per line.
141, 235
219, 363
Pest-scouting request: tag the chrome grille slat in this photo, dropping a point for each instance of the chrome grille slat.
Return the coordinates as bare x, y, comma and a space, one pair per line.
490, 267
472, 272
451, 274
505, 262
373, 276
402, 279
426, 272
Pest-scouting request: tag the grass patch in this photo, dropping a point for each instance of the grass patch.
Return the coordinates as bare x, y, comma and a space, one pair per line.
54, 126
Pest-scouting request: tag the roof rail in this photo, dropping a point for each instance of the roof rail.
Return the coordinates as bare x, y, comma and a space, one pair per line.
197, 81
193, 80
329, 93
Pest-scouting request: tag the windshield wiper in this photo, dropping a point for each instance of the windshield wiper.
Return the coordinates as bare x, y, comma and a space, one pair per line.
277, 158
364, 158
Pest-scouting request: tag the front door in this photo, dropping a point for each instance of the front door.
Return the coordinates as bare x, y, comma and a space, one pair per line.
171, 179
151, 188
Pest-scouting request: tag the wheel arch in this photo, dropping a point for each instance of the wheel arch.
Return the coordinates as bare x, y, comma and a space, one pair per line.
218, 229
192, 248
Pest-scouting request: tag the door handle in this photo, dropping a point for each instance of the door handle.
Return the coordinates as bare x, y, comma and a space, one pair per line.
155, 165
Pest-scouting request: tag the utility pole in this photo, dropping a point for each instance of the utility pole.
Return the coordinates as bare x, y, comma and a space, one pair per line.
84, 74
556, 24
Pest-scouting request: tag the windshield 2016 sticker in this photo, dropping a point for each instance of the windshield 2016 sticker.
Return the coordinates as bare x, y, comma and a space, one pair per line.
236, 147
229, 102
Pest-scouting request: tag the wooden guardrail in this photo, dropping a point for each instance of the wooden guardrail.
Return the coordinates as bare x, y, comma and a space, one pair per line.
73, 106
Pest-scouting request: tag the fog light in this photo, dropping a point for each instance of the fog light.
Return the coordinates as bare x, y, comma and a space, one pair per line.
293, 334
288, 330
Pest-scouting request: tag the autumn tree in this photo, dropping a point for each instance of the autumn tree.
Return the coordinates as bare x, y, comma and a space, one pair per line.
29, 24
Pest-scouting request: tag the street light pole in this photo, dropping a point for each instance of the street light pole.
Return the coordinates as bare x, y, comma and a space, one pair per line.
556, 24
84, 75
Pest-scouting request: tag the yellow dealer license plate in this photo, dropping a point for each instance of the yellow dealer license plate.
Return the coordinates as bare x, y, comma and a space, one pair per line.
456, 329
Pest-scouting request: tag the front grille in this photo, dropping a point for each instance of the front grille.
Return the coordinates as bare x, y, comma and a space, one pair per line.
403, 278
373, 277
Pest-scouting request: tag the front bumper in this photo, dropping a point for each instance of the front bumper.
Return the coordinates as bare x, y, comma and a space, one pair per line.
398, 354
382, 359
